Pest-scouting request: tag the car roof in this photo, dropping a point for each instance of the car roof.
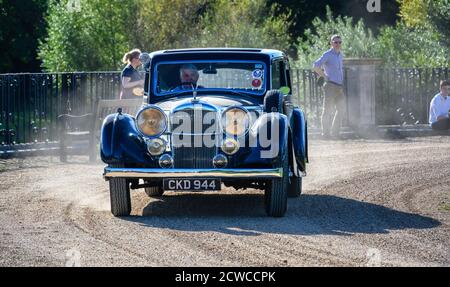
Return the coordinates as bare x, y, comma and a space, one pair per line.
271, 53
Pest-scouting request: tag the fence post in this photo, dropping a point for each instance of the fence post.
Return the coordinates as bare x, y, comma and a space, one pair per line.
361, 92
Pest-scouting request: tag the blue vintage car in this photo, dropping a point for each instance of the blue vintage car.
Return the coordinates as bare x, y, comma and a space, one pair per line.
210, 118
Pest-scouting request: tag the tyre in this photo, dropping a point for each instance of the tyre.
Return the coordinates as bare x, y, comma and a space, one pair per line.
273, 101
119, 189
154, 191
275, 195
295, 186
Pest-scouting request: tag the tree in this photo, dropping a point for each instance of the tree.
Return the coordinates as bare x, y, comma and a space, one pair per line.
420, 39
91, 38
404, 46
97, 34
358, 40
439, 17
414, 12
244, 23
22, 23
302, 13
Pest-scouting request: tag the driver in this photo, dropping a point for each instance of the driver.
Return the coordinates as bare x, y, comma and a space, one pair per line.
188, 76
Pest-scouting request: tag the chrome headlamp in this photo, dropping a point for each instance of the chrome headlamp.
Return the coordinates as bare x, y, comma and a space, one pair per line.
151, 121
235, 121
156, 146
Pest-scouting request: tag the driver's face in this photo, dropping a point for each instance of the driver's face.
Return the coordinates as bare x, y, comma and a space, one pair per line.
189, 76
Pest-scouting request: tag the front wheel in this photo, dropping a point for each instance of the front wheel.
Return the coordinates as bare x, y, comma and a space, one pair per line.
154, 191
119, 189
275, 195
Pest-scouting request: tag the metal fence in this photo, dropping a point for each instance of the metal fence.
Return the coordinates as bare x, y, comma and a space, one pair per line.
403, 95
30, 103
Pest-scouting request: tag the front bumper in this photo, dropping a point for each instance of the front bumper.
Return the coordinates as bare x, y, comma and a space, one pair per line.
191, 173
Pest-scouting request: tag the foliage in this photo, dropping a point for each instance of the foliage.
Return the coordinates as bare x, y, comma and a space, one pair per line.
19, 30
411, 47
244, 23
413, 12
96, 36
421, 38
407, 44
439, 17
358, 41
92, 38
302, 12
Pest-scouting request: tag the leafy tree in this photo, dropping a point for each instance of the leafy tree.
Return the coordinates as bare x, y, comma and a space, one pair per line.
97, 34
411, 47
302, 12
91, 38
420, 39
245, 23
439, 17
414, 12
164, 24
22, 23
358, 41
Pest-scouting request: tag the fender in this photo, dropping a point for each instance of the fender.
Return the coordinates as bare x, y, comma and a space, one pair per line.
121, 142
270, 131
299, 135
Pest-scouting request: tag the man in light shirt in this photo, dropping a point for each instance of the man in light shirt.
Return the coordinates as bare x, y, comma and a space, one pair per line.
333, 73
440, 108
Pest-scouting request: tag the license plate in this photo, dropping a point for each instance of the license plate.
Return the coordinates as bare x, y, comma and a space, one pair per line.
188, 184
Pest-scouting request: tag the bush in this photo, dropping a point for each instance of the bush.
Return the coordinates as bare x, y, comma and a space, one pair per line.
401, 46
358, 41
97, 36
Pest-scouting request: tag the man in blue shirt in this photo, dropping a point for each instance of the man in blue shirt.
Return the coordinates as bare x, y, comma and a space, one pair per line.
330, 67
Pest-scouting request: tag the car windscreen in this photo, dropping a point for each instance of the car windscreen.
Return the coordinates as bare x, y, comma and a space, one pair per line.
239, 76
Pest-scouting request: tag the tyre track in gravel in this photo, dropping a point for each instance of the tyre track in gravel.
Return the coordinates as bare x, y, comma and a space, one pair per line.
359, 195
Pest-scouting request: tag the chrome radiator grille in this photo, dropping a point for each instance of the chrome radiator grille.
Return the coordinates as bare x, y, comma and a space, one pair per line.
189, 150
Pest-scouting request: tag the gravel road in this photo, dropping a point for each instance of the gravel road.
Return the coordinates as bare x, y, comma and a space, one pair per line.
365, 203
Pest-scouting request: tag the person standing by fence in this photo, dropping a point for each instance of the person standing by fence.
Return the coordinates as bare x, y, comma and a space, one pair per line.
132, 84
333, 103
440, 108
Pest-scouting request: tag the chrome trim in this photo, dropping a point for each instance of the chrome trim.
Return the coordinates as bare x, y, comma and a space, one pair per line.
220, 161
147, 107
235, 143
165, 158
223, 113
110, 172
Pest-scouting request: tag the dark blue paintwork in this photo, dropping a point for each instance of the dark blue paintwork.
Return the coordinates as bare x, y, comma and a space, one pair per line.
122, 142
299, 137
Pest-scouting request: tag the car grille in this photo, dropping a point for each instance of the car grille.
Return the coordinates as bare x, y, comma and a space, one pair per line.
189, 150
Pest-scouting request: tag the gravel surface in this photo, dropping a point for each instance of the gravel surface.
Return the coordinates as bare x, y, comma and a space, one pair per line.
365, 203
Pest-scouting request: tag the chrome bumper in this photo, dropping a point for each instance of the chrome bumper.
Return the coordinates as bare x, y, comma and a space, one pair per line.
192, 173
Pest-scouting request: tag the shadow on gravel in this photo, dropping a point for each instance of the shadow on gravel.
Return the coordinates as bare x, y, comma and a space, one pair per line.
244, 214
